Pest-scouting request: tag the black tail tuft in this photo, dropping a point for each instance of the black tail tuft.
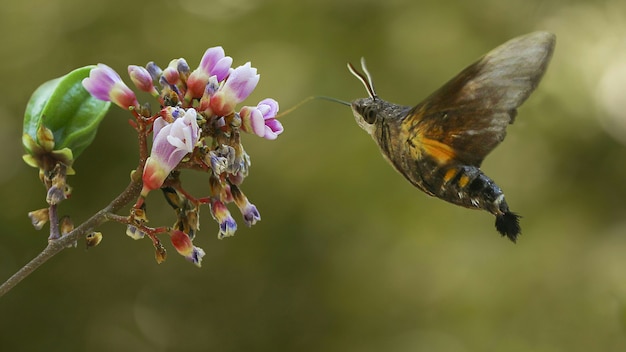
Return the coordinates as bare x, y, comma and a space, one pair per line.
508, 225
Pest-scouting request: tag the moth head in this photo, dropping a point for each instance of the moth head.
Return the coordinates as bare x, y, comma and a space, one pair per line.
366, 113
366, 110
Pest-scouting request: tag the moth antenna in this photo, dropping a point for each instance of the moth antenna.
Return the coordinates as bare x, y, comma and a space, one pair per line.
366, 80
369, 78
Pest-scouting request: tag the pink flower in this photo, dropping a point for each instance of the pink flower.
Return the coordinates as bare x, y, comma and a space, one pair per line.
213, 63
261, 120
250, 214
248, 210
227, 224
142, 79
172, 141
185, 247
238, 86
105, 84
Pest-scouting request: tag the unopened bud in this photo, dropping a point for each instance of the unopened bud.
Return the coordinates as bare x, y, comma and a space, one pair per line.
93, 239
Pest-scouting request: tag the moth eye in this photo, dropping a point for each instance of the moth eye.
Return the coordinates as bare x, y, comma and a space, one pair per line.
369, 114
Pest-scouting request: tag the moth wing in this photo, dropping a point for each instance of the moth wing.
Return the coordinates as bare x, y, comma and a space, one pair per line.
467, 117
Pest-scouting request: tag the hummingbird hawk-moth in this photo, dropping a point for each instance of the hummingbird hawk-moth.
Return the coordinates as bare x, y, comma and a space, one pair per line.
439, 144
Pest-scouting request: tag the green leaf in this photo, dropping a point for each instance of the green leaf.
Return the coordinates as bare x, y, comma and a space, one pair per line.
68, 110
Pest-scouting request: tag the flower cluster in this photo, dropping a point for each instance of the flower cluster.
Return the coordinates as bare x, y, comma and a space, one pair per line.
197, 127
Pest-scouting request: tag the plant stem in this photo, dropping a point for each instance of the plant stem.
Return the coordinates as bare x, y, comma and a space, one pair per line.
129, 195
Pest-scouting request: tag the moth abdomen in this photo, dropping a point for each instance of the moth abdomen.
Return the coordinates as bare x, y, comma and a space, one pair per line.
468, 186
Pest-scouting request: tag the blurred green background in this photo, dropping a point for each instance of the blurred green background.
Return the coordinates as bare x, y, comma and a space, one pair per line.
348, 256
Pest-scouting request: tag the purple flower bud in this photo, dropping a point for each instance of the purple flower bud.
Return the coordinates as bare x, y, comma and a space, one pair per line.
154, 70
239, 84
183, 67
213, 64
142, 79
105, 84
